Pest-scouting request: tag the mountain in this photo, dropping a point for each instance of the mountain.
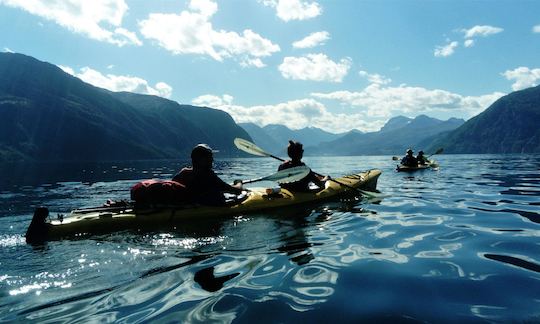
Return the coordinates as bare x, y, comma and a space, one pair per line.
262, 138
395, 123
190, 124
49, 115
509, 125
395, 137
275, 138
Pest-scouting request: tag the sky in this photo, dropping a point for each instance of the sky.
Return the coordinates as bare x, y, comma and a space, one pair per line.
337, 65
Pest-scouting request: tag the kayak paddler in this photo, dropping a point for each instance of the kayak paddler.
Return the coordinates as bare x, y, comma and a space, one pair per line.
202, 184
409, 159
295, 151
421, 158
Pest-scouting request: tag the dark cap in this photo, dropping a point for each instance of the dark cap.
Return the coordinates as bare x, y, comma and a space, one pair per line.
409, 151
202, 150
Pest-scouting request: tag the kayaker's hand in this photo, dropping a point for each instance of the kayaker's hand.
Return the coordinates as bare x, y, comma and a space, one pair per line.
237, 184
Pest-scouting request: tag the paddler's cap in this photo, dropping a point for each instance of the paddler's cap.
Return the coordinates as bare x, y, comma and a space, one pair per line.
421, 152
202, 150
409, 151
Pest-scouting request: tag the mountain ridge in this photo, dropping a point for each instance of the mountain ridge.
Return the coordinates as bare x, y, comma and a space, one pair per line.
400, 134
49, 115
275, 137
509, 125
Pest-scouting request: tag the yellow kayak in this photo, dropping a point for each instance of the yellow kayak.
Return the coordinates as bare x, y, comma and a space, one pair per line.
404, 168
109, 219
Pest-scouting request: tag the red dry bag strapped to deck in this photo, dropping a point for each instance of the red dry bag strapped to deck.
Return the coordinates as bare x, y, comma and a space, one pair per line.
159, 192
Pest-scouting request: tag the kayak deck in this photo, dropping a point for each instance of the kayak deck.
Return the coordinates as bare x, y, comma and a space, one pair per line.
109, 219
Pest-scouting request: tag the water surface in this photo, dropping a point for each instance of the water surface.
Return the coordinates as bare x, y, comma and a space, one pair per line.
460, 243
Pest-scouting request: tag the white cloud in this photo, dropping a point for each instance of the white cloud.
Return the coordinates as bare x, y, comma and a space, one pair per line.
212, 100
481, 31
191, 32
163, 90
382, 102
294, 114
120, 82
375, 78
468, 43
446, 50
129, 37
536, 29
366, 110
312, 40
288, 10
256, 62
97, 19
205, 7
314, 67
67, 69
523, 76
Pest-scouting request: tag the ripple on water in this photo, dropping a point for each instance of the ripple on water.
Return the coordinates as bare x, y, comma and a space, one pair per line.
450, 240
517, 261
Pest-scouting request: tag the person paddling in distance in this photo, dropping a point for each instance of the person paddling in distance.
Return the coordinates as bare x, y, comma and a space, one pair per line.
295, 151
202, 184
421, 158
409, 159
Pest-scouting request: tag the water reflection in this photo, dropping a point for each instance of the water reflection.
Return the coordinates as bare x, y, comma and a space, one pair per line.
462, 242
515, 261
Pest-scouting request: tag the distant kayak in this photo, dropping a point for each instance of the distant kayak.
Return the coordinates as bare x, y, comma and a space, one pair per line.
132, 216
404, 168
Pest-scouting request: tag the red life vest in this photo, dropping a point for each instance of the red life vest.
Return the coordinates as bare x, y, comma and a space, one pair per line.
159, 192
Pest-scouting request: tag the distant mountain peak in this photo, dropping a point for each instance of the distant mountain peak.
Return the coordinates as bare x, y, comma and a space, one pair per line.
395, 123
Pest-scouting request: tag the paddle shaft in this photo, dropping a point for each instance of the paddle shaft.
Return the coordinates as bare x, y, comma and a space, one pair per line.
284, 176
254, 180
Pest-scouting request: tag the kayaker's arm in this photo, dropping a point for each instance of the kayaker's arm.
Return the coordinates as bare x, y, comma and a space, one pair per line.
236, 188
318, 179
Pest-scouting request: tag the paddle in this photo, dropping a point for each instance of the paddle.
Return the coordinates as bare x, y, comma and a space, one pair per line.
284, 176
251, 148
439, 151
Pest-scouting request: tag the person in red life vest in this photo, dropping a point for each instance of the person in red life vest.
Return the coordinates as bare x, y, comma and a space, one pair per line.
295, 151
201, 182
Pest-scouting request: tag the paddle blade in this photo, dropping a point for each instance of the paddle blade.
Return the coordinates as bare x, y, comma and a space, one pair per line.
248, 147
439, 151
395, 158
289, 175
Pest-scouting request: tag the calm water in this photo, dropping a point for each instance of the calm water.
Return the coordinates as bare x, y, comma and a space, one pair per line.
458, 244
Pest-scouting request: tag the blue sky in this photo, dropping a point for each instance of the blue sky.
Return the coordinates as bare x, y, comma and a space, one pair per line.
337, 65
